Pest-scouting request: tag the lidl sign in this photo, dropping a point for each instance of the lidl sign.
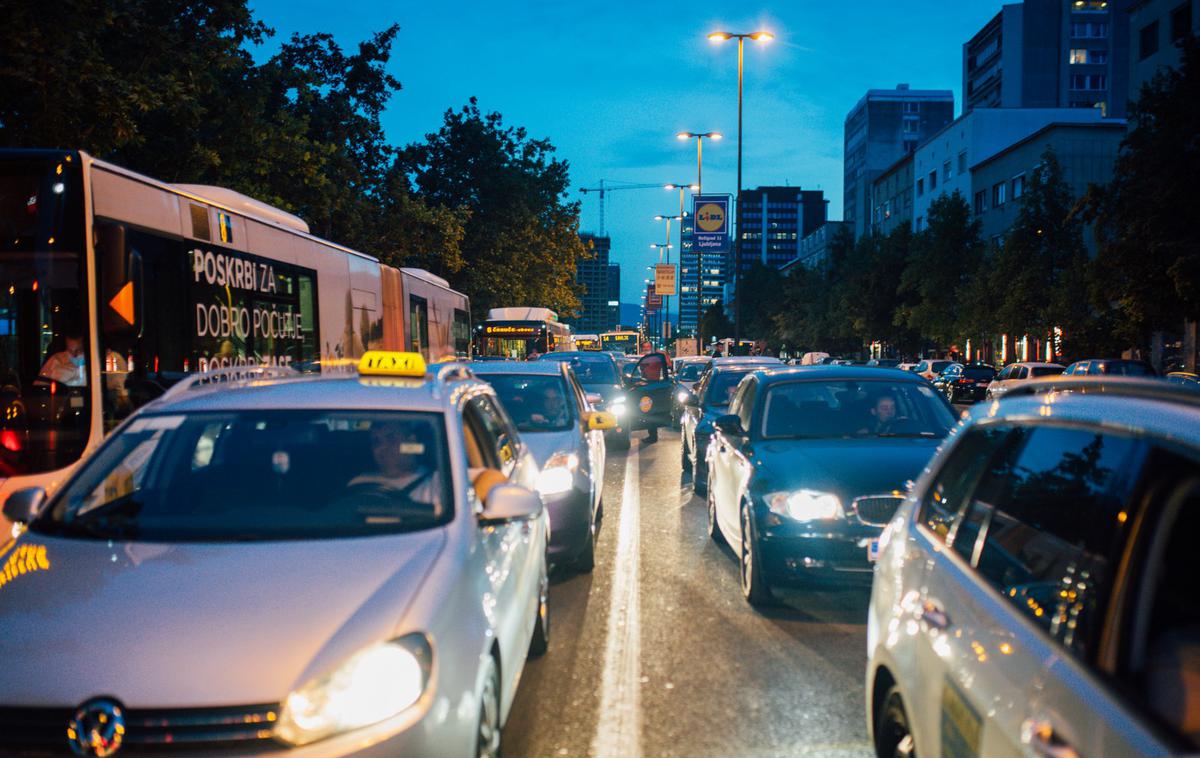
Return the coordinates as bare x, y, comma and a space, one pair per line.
712, 223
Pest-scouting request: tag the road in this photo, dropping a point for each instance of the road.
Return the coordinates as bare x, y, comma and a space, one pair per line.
656, 654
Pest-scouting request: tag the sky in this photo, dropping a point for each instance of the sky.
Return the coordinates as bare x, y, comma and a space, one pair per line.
610, 84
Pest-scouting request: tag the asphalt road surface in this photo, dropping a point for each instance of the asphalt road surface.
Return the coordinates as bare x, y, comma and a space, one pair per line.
656, 653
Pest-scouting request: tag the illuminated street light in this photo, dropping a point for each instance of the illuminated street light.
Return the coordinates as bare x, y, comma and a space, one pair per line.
699, 137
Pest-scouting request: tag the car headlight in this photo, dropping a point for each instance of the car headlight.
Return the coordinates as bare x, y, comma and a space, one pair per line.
617, 406
805, 505
371, 686
558, 475
681, 396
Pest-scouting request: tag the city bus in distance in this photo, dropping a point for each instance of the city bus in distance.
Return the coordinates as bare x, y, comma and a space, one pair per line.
623, 340
517, 333
113, 286
587, 342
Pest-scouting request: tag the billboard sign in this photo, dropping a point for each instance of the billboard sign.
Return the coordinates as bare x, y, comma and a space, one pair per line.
712, 223
664, 279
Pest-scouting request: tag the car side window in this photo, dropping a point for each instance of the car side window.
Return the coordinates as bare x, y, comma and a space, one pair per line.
497, 432
922, 366
1022, 373
743, 403
954, 482
1057, 527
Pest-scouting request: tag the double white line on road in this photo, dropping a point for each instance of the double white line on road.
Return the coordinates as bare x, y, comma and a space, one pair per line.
619, 726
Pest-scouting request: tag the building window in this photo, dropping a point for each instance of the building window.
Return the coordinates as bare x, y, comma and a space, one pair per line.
1097, 56
1018, 186
962, 163
1089, 29
911, 126
1089, 81
933, 180
1079, 55
947, 172
1084, 55
998, 194
912, 107
920, 187
1148, 40
1181, 22
980, 202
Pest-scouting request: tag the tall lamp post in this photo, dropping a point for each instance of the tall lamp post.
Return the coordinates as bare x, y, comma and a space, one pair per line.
666, 247
683, 187
718, 37
699, 137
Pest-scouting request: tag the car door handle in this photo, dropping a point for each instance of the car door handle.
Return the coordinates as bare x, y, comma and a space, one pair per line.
933, 615
1042, 740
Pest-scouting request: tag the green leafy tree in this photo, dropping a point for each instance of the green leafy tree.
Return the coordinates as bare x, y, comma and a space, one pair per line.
521, 239
1148, 261
869, 294
758, 309
714, 324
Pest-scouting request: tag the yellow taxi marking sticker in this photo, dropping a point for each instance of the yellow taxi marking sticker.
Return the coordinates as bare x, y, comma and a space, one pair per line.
388, 363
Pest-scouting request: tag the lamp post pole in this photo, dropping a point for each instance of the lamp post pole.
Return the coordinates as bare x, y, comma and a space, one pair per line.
761, 37
699, 137
682, 187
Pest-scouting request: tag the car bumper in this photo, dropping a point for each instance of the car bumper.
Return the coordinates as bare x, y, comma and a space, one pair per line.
796, 554
570, 522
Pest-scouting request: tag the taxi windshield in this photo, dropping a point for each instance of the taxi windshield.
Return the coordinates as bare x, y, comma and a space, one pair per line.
260, 475
813, 409
690, 372
589, 369
536, 403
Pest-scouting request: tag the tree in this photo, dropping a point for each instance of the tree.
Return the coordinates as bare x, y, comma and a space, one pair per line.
715, 324
869, 294
521, 239
758, 307
1148, 260
944, 255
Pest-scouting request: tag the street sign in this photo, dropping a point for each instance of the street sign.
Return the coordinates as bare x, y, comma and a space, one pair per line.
712, 223
685, 347
664, 279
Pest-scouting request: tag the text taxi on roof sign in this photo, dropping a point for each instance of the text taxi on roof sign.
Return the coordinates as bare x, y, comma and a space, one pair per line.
390, 363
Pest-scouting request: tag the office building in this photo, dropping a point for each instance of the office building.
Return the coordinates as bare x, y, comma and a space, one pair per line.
814, 248
614, 296
1087, 153
1050, 54
713, 280
774, 220
1156, 27
892, 197
593, 274
883, 127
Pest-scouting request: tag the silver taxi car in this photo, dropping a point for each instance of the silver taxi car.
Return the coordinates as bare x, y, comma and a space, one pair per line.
1037, 593
309, 567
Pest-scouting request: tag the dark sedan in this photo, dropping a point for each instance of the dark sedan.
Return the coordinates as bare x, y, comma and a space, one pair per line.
599, 374
965, 383
811, 463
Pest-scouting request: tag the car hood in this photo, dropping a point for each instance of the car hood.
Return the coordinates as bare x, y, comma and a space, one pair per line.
545, 444
848, 468
162, 625
605, 391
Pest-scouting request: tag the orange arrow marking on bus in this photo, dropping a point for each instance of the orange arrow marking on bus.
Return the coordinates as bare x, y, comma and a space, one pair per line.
123, 302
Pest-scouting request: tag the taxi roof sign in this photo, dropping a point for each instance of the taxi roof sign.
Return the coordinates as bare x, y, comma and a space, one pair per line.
391, 363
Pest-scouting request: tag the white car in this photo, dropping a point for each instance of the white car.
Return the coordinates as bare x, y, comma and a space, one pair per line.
1015, 374
318, 567
931, 368
1036, 594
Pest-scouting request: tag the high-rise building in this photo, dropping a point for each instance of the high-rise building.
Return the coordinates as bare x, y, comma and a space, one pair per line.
614, 296
1050, 54
774, 220
592, 273
712, 281
1155, 30
884, 126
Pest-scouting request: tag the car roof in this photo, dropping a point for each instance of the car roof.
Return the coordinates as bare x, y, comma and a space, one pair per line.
316, 391
1147, 406
538, 367
837, 373
1036, 364
561, 354
725, 360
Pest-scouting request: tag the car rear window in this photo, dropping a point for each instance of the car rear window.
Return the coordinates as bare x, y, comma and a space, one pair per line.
1047, 370
972, 372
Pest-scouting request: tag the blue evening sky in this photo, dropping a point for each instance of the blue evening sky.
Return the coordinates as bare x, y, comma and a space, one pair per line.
611, 83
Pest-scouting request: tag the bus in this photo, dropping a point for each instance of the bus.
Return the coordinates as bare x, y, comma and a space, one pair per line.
587, 342
622, 340
517, 333
113, 286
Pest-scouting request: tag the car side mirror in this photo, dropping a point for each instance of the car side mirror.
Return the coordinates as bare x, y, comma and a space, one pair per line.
23, 505
510, 502
594, 399
730, 424
600, 421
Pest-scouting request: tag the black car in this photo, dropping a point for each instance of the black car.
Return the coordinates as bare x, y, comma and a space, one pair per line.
599, 374
965, 383
809, 464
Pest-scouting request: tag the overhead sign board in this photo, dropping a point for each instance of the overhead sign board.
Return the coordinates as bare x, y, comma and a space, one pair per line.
664, 279
712, 223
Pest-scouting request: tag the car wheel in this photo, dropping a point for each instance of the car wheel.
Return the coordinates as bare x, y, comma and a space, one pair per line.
586, 560
685, 459
714, 529
541, 625
487, 742
893, 738
754, 584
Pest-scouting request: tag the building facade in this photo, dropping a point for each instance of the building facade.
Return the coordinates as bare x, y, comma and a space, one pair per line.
884, 126
774, 220
1050, 54
1156, 27
592, 274
892, 197
814, 248
941, 166
713, 278
1086, 152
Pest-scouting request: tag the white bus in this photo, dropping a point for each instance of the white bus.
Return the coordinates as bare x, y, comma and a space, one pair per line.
517, 333
113, 286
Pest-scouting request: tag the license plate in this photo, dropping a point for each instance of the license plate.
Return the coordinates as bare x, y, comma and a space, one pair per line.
873, 550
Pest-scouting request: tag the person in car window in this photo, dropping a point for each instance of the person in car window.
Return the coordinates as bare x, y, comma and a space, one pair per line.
552, 411
883, 416
68, 366
397, 451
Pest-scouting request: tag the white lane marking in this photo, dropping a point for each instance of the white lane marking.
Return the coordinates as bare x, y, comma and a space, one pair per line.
619, 725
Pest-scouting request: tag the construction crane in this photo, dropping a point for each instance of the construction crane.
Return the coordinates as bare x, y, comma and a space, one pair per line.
604, 189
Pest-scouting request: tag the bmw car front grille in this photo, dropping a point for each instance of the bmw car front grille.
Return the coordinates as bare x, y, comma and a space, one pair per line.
43, 731
876, 510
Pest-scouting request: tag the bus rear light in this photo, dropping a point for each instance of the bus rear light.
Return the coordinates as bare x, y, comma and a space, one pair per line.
10, 440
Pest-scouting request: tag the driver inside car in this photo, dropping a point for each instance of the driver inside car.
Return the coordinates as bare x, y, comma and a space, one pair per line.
398, 452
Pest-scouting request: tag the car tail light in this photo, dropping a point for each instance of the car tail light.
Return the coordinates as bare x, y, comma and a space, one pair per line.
10, 440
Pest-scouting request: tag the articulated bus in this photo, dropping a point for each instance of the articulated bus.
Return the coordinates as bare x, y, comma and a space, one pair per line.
113, 286
623, 340
588, 342
517, 333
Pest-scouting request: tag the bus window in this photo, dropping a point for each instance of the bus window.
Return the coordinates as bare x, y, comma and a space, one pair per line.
460, 333
418, 324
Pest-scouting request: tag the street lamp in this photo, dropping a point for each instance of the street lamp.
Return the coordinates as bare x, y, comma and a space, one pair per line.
699, 137
762, 37
665, 307
682, 187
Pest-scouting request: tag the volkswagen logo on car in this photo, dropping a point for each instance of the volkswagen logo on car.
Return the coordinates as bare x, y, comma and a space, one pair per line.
97, 728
